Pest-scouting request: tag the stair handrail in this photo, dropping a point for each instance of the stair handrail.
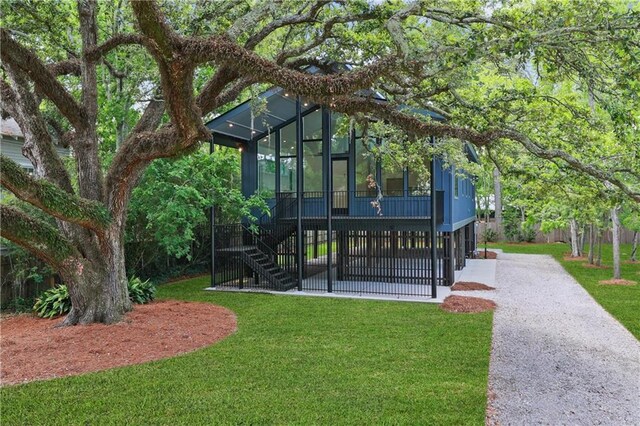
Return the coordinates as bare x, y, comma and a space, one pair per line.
284, 200
264, 247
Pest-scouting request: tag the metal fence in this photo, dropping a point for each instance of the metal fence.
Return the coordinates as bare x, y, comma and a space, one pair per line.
341, 254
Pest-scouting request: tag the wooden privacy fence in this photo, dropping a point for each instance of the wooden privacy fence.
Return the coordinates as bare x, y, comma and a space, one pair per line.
559, 235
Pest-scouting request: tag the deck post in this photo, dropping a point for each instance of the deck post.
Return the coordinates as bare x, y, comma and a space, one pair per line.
434, 229
326, 148
299, 192
212, 221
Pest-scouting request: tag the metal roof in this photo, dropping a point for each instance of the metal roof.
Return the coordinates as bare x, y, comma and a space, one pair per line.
240, 122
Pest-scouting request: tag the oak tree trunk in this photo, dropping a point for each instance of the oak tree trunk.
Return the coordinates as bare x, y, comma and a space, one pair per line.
98, 285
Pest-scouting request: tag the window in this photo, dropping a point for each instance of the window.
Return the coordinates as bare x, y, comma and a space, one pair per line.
456, 185
418, 185
312, 161
365, 168
267, 165
288, 140
340, 133
288, 174
312, 126
392, 182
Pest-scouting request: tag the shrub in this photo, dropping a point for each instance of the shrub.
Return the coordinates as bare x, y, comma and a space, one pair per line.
489, 235
528, 233
55, 301
141, 292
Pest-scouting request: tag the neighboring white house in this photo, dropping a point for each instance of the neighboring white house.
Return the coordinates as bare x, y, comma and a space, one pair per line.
11, 141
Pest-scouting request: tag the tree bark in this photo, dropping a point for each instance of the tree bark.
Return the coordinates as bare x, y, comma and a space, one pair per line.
592, 241
615, 226
634, 250
97, 287
575, 240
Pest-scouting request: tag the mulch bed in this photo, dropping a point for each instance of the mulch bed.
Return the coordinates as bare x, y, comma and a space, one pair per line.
470, 285
490, 255
32, 348
617, 282
594, 266
569, 258
464, 304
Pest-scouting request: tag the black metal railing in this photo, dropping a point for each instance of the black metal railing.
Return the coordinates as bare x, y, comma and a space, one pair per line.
245, 257
375, 262
359, 204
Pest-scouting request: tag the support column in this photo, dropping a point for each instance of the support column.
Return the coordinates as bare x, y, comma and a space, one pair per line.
326, 149
212, 222
299, 192
434, 230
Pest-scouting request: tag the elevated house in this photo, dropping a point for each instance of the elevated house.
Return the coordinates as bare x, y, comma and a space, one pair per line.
339, 220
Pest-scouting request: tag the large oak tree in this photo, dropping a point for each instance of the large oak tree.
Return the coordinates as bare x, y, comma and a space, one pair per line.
199, 57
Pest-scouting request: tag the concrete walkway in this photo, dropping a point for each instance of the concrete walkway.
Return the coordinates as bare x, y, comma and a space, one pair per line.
558, 358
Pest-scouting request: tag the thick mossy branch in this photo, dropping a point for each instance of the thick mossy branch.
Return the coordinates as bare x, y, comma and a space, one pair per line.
42, 239
45, 82
51, 199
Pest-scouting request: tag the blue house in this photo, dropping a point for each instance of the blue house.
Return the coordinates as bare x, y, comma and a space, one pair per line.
339, 220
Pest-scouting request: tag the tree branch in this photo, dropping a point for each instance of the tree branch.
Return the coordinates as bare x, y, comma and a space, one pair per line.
247, 63
418, 127
51, 199
40, 238
298, 18
38, 146
176, 72
15, 54
215, 85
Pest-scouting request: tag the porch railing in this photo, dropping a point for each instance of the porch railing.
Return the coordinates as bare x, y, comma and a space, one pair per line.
361, 204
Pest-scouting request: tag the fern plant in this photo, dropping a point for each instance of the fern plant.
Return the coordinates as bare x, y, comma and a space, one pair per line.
141, 292
56, 301
53, 302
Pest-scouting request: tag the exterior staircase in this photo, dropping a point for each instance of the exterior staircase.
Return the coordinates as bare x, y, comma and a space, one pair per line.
276, 277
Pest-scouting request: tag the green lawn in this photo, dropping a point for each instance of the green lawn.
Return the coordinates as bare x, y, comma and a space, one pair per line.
623, 302
322, 249
294, 360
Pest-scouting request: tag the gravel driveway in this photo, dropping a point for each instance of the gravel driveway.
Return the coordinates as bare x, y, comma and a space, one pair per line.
558, 358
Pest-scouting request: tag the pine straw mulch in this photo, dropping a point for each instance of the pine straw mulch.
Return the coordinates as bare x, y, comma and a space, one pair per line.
490, 255
470, 285
32, 348
617, 282
464, 304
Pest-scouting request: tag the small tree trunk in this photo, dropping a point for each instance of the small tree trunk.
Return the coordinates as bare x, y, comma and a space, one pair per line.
599, 256
497, 192
592, 242
615, 226
634, 250
575, 243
